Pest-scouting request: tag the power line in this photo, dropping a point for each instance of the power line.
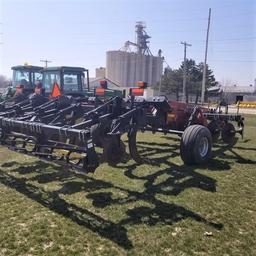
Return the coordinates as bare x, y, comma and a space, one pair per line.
46, 62
235, 39
252, 61
132, 21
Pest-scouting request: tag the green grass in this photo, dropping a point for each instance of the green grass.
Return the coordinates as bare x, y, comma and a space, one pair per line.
161, 208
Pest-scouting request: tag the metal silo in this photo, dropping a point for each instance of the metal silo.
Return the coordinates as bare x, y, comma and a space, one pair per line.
127, 68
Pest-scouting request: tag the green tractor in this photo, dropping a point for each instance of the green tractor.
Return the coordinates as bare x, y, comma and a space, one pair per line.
69, 80
74, 81
25, 75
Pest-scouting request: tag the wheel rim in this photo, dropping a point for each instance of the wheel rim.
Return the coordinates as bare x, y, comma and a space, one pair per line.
203, 147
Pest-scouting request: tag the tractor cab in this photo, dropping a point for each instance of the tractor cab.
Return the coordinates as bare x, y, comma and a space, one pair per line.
23, 82
26, 76
72, 81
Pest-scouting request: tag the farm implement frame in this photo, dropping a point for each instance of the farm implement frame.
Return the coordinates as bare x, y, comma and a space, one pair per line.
67, 130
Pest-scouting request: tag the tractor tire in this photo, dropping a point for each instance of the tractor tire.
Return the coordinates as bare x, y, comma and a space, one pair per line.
228, 133
113, 151
196, 145
214, 130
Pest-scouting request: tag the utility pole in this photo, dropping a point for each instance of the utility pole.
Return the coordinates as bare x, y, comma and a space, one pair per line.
46, 62
205, 58
184, 91
160, 85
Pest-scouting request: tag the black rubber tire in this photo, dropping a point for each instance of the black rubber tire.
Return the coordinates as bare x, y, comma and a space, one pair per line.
190, 145
228, 133
214, 129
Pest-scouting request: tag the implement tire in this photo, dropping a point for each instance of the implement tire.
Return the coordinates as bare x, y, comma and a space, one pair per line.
196, 145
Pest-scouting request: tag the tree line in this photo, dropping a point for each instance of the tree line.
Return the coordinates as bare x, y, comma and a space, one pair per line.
172, 80
4, 82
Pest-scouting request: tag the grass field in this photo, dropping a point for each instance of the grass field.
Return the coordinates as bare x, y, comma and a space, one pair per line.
161, 208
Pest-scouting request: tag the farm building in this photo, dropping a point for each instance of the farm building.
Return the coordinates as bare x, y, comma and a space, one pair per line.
236, 93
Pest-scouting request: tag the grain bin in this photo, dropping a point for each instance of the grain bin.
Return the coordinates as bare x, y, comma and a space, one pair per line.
127, 68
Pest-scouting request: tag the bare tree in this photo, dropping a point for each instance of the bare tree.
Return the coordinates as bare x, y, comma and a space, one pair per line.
4, 81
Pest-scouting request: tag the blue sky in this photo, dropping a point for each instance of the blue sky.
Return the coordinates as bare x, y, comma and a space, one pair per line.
78, 33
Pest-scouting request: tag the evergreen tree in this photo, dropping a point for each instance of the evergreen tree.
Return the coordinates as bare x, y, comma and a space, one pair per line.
172, 79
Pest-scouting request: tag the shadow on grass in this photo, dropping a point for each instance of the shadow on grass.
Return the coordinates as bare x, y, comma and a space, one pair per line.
166, 213
245, 148
167, 181
239, 159
81, 216
236, 157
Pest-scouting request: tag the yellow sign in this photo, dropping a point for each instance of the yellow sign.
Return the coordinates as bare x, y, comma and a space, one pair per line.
246, 104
